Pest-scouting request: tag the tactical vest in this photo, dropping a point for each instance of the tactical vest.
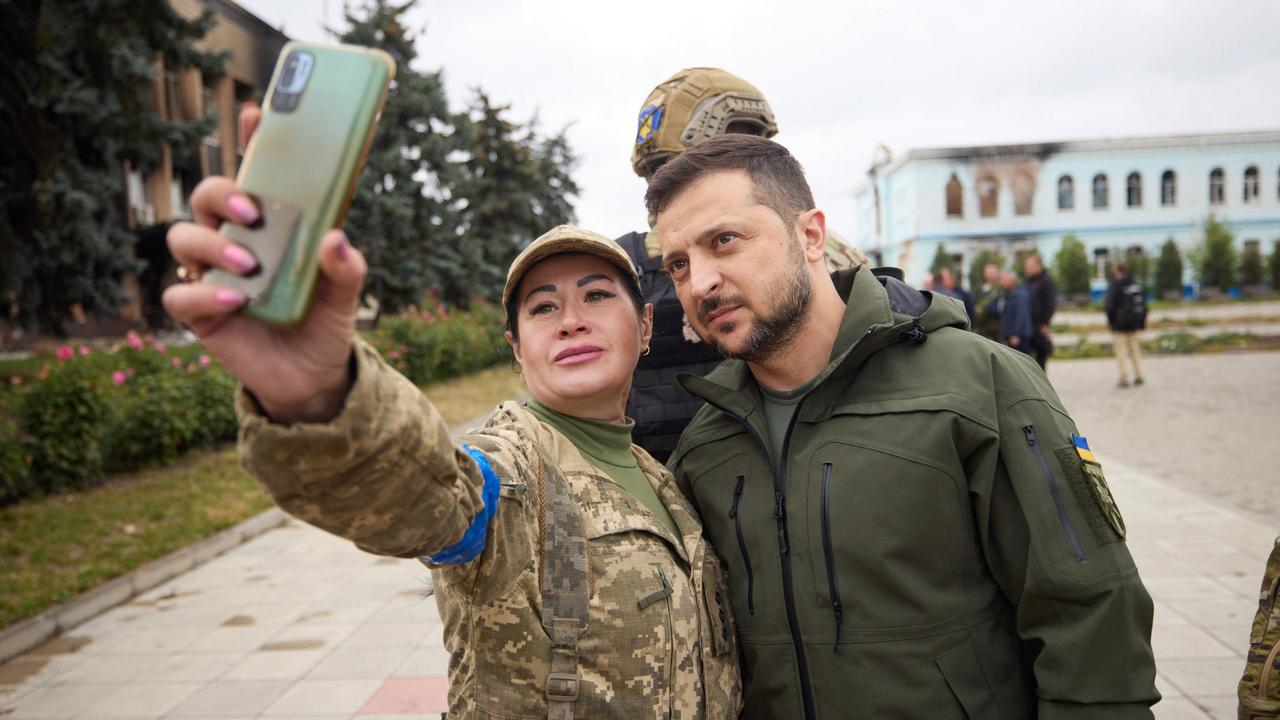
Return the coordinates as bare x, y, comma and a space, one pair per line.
661, 409
1259, 689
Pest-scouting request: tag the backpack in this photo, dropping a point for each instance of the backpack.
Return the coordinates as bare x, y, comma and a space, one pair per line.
1259, 689
1131, 307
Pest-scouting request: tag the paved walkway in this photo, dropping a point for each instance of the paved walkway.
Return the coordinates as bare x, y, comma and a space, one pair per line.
299, 624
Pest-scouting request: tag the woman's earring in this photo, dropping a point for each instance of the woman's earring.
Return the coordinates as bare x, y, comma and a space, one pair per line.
516, 367
645, 351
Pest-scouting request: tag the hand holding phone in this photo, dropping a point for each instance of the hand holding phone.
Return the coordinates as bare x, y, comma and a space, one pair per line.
298, 372
301, 167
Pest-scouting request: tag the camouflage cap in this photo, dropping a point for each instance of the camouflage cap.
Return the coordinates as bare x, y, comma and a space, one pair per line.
691, 106
562, 239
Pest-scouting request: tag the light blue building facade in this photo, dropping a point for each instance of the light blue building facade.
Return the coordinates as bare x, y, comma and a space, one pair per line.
1116, 196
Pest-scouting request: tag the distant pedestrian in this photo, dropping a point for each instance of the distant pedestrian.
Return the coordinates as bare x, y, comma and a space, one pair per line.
984, 298
944, 282
1126, 306
1044, 300
1013, 308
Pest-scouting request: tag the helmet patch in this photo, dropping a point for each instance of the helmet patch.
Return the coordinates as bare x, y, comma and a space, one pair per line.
650, 121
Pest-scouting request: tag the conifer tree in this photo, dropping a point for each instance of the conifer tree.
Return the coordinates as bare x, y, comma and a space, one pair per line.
1169, 268
514, 187
1216, 256
400, 216
76, 83
1072, 266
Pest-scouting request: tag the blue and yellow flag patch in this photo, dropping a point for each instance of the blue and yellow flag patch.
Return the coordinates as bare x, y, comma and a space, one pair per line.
650, 121
1082, 448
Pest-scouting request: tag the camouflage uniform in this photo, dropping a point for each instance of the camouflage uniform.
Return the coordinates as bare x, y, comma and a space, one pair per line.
658, 640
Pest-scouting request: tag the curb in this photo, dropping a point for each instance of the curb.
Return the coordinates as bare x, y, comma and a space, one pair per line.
35, 631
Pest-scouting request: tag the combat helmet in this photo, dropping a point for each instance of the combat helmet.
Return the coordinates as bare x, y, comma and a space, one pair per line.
691, 106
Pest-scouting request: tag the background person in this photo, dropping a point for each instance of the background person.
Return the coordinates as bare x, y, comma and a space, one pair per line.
984, 295
944, 281
690, 106
1126, 307
1013, 309
571, 575
911, 527
1044, 300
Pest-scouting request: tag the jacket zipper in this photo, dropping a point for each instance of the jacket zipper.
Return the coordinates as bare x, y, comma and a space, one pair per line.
832, 584
671, 645
788, 582
780, 514
742, 544
1034, 442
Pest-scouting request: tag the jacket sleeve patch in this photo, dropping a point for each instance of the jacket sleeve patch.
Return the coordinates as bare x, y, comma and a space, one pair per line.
473, 540
1092, 495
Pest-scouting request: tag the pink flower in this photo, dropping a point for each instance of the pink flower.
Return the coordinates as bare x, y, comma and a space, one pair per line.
191, 367
84, 350
118, 377
64, 352
128, 371
176, 362
15, 380
159, 347
444, 312
204, 361
393, 355
135, 342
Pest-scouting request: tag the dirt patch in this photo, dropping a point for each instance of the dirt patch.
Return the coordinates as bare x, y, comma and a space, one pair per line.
294, 645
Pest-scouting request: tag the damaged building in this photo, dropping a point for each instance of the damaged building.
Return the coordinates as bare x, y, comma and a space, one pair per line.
1118, 196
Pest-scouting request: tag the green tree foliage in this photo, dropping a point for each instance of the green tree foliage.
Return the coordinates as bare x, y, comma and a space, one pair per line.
1274, 263
76, 85
1169, 268
514, 186
983, 259
1140, 266
1071, 266
447, 200
1252, 269
400, 216
1217, 256
942, 259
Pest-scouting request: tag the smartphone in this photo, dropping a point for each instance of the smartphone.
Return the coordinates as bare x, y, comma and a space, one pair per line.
300, 168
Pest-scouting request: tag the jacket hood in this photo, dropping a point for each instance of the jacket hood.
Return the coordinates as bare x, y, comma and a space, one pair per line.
880, 311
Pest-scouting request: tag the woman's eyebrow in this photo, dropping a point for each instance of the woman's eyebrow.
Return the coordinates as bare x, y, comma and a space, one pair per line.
540, 288
592, 278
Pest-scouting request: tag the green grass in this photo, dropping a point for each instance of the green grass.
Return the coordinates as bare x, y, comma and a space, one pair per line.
55, 547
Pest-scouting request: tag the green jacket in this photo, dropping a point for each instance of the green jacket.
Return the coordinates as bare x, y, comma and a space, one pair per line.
932, 544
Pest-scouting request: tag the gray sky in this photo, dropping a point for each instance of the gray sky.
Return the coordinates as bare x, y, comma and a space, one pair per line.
845, 76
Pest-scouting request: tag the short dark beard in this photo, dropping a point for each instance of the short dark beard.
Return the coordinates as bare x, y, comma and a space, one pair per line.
770, 333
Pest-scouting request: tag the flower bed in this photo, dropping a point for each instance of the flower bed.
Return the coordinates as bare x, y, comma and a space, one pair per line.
68, 418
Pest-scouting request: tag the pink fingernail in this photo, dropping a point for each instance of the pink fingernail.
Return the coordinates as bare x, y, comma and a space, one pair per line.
242, 259
229, 298
343, 248
243, 209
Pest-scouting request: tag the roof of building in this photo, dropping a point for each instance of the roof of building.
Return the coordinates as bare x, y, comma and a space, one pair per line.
1148, 142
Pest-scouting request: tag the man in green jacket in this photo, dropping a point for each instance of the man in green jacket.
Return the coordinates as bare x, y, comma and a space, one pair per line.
913, 525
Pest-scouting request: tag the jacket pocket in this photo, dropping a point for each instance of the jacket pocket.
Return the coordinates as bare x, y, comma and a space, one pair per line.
742, 542
833, 583
962, 670
1033, 441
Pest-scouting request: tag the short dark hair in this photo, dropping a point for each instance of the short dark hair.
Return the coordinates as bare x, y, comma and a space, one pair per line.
777, 176
512, 322
1122, 267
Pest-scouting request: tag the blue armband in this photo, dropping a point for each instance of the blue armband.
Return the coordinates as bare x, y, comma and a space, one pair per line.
472, 542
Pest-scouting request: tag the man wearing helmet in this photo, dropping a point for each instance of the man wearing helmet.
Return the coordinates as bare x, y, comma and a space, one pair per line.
691, 106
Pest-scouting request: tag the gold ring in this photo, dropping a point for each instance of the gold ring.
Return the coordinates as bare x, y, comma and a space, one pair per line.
188, 274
